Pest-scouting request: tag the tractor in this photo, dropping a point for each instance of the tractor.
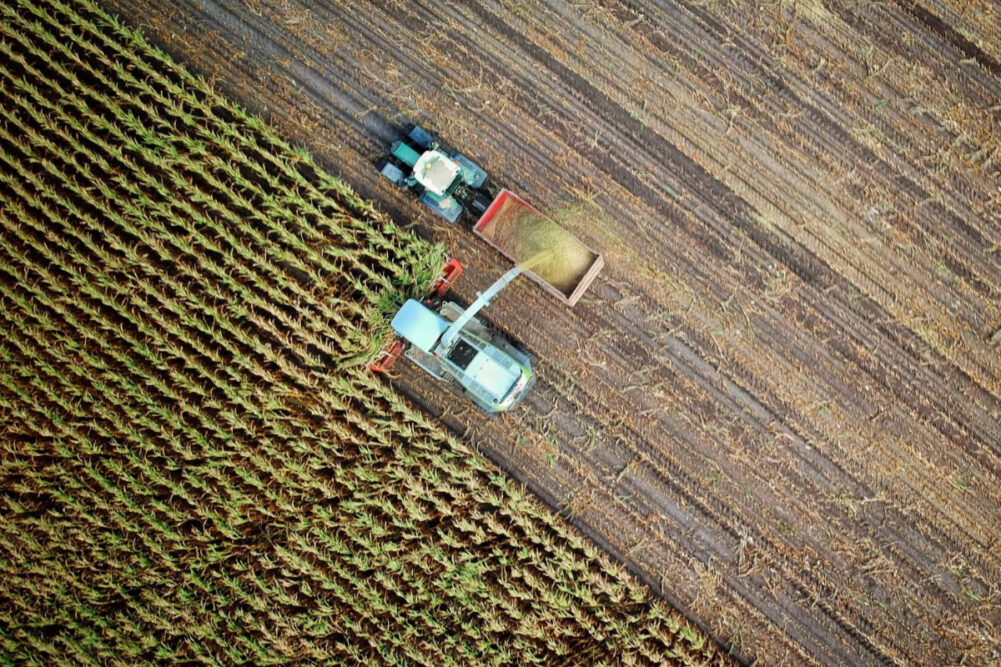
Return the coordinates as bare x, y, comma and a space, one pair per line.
444, 180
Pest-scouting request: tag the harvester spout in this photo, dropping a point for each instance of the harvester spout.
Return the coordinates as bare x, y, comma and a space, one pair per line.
482, 301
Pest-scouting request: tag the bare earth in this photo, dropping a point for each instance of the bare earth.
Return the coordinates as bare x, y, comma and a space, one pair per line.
779, 404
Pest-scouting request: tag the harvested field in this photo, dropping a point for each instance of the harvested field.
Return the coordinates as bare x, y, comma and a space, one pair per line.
780, 403
195, 464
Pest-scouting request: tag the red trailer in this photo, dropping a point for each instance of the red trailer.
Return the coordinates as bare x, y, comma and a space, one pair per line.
520, 232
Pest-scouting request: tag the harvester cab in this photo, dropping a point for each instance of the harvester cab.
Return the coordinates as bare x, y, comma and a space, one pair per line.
446, 181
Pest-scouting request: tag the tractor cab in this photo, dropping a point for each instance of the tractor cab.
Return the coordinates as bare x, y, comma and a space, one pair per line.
436, 172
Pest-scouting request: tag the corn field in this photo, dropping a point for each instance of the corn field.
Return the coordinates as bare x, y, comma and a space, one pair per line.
195, 463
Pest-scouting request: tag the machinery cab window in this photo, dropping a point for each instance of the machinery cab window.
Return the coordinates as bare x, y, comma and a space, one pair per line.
461, 354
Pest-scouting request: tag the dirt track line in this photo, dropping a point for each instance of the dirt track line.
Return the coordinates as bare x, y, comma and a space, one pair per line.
830, 140
961, 216
832, 111
673, 475
953, 37
762, 416
850, 328
834, 128
960, 270
351, 110
673, 471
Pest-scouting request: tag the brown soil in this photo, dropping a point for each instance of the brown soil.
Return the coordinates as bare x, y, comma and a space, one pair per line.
779, 404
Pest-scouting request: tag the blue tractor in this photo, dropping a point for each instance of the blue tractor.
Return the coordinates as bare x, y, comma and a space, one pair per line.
445, 181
